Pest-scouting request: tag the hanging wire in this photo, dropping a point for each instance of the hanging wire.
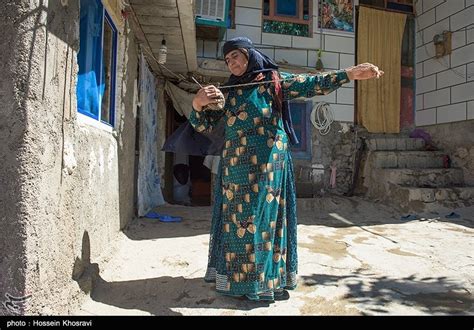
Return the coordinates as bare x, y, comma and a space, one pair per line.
145, 49
176, 75
462, 29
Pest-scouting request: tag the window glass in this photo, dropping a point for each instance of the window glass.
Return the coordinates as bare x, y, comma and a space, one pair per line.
300, 112
306, 12
266, 7
97, 60
89, 88
107, 71
286, 8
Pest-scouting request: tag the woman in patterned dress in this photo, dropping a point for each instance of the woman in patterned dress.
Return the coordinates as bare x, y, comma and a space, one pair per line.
253, 247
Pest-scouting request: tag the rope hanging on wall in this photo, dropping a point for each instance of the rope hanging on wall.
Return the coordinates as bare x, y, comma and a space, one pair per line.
322, 117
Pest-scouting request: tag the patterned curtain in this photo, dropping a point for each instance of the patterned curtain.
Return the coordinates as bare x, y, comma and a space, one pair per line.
149, 187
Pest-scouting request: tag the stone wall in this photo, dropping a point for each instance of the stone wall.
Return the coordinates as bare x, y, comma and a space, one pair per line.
457, 139
336, 149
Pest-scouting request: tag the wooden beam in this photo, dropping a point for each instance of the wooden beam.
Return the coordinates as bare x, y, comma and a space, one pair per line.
141, 38
155, 10
159, 21
188, 29
163, 3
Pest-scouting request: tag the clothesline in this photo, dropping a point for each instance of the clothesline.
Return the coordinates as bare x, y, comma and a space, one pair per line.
254, 83
247, 84
218, 87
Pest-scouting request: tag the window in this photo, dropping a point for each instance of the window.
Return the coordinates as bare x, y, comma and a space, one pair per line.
300, 113
97, 59
213, 18
212, 12
293, 17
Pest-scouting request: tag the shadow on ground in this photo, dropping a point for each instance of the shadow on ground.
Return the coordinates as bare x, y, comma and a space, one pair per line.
340, 212
159, 296
431, 295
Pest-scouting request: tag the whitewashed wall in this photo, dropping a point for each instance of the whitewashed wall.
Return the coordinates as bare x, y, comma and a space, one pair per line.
338, 50
444, 86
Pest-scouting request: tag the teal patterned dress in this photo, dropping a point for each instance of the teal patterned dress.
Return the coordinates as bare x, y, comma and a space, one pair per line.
253, 247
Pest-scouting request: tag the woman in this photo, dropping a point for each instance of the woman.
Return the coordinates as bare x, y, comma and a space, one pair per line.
252, 248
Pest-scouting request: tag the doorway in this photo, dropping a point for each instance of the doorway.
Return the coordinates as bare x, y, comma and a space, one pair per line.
187, 180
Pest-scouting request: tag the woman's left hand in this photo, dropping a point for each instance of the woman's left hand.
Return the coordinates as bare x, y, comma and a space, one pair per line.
364, 71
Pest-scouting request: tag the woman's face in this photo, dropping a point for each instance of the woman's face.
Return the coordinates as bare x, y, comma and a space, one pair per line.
236, 62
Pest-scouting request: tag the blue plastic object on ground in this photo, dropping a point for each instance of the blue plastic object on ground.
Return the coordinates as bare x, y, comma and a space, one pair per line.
163, 217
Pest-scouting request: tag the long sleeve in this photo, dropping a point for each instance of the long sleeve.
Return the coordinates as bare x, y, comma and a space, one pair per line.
206, 120
305, 85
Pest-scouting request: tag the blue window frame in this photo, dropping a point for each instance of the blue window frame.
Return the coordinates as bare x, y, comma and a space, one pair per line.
97, 60
300, 114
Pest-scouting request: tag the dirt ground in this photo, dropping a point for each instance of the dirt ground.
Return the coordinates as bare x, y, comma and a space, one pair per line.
355, 258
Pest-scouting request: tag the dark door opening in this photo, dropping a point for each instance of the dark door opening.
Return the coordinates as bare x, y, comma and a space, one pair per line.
187, 180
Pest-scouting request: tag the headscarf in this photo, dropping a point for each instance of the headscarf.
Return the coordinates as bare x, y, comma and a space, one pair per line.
260, 63
257, 61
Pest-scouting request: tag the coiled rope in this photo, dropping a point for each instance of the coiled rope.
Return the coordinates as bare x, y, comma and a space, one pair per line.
322, 117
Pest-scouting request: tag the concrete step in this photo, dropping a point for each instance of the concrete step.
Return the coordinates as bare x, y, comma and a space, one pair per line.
442, 195
408, 159
422, 177
394, 143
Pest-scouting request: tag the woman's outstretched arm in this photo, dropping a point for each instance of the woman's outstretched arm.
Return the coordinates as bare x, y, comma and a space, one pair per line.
306, 85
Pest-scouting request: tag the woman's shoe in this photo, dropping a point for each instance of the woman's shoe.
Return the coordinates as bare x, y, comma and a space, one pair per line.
283, 295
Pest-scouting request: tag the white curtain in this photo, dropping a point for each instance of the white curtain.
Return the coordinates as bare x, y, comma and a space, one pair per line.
182, 100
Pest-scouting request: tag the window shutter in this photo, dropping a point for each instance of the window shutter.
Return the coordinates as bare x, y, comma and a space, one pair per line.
211, 9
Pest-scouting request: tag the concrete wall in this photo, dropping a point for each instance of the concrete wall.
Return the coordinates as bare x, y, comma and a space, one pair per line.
64, 196
13, 126
127, 97
444, 86
338, 50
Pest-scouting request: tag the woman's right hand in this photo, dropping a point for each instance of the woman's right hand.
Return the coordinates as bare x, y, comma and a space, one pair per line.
205, 96
364, 71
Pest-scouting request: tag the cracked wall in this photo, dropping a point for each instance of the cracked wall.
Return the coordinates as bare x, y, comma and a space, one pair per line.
62, 178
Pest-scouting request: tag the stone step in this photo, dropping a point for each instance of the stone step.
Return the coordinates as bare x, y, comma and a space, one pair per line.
408, 159
422, 177
394, 143
442, 195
